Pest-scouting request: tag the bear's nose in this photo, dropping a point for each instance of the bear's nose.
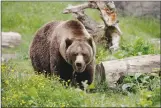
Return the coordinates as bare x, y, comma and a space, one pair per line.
78, 64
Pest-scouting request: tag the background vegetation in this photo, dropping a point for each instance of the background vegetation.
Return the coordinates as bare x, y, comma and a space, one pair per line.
21, 87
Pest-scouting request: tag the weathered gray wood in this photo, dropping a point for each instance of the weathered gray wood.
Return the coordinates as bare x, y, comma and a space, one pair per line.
92, 26
78, 8
111, 71
10, 39
108, 12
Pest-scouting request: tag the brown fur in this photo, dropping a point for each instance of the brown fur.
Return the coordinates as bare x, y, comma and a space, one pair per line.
75, 27
48, 50
39, 49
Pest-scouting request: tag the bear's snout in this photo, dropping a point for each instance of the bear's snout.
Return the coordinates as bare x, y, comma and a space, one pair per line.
79, 64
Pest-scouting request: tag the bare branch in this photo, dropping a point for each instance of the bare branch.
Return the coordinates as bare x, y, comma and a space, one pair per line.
108, 10
78, 8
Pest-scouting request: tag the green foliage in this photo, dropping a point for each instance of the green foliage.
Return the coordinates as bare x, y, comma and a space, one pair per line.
101, 54
147, 85
138, 46
25, 89
35, 90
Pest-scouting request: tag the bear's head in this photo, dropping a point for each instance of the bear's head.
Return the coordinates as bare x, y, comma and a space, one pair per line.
79, 53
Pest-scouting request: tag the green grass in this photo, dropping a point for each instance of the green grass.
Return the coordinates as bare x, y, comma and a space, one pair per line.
142, 27
21, 87
29, 89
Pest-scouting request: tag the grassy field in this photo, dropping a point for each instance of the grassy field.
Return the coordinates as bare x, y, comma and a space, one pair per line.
21, 87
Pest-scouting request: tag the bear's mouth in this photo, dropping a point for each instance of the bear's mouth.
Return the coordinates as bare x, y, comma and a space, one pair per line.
79, 69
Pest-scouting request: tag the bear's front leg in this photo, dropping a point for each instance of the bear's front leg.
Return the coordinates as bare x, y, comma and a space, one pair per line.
87, 75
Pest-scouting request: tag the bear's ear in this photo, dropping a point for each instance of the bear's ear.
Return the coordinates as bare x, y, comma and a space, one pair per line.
90, 42
68, 42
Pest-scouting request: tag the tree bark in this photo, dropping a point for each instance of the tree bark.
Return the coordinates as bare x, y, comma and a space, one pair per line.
112, 71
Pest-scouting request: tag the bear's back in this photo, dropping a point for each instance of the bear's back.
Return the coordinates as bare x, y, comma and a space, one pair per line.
71, 29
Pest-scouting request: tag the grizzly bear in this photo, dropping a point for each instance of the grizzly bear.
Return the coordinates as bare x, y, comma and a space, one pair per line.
66, 49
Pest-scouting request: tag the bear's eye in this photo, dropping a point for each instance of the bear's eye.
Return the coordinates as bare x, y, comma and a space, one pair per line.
75, 54
84, 54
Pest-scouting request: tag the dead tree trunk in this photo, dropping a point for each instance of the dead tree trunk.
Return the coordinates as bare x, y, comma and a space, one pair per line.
110, 30
111, 71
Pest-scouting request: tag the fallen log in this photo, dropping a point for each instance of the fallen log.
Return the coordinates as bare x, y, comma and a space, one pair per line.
10, 39
112, 71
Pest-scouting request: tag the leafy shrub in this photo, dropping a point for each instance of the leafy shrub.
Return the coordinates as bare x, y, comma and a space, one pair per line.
137, 47
146, 85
